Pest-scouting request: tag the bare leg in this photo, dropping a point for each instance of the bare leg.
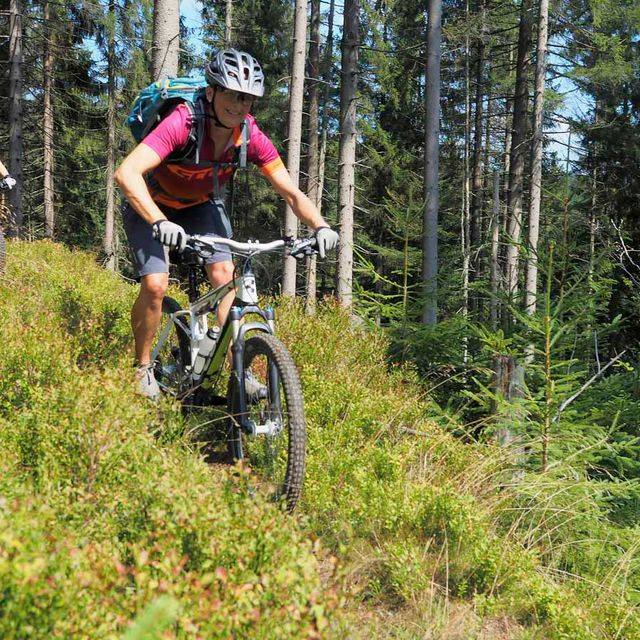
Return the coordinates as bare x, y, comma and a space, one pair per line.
220, 273
146, 314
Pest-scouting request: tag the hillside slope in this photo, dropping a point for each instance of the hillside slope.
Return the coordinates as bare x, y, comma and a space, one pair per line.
104, 507
108, 507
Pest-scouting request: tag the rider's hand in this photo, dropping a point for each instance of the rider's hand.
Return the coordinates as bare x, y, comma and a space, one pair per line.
170, 234
327, 240
7, 182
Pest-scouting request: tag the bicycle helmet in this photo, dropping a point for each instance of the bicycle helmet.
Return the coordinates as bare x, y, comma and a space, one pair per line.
236, 70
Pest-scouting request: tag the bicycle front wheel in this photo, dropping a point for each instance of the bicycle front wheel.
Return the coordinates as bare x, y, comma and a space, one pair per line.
274, 405
174, 355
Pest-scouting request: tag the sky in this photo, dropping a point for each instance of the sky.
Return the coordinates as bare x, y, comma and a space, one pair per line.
190, 10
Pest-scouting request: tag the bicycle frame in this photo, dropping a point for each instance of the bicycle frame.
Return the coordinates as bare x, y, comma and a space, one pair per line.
193, 322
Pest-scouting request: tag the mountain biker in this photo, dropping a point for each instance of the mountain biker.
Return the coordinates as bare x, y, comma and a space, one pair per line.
177, 199
6, 181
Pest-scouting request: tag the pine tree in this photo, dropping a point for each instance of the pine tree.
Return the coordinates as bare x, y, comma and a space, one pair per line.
16, 115
536, 161
432, 192
313, 154
166, 38
347, 154
48, 120
518, 152
296, 97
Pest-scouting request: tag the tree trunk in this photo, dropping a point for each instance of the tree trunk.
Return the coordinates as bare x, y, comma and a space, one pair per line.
495, 246
508, 383
347, 149
47, 124
565, 215
508, 120
465, 229
15, 116
504, 205
518, 147
487, 187
312, 269
313, 155
432, 127
109, 232
314, 119
228, 17
593, 219
166, 38
531, 284
296, 100
312, 263
476, 183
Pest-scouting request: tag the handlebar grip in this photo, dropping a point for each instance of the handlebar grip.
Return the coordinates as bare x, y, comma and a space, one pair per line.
155, 231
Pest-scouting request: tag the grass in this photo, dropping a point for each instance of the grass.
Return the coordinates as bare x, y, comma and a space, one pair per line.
114, 525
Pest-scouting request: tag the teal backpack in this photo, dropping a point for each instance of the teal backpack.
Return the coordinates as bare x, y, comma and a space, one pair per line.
160, 98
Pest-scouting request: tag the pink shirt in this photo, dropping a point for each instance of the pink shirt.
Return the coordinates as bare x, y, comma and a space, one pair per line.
183, 185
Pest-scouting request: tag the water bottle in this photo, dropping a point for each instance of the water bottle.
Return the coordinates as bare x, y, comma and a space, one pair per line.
206, 347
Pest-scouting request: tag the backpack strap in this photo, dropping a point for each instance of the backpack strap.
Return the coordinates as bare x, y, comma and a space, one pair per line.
240, 156
239, 162
191, 150
198, 122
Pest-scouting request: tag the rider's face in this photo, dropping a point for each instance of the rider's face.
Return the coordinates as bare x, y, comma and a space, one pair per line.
231, 106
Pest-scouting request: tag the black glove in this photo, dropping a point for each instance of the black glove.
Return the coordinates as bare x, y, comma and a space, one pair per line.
170, 234
327, 240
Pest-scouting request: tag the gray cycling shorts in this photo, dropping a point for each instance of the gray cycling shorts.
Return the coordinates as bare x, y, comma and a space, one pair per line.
149, 255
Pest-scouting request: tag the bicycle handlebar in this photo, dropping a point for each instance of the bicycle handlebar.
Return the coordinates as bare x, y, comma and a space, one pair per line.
294, 247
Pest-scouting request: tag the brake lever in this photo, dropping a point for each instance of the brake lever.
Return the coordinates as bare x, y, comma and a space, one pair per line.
198, 250
304, 248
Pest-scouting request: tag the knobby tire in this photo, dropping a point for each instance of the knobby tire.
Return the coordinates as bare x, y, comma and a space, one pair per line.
279, 459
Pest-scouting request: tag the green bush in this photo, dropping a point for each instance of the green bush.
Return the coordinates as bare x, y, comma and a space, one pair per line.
101, 521
113, 526
421, 512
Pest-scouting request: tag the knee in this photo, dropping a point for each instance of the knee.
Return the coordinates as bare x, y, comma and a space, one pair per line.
220, 273
153, 288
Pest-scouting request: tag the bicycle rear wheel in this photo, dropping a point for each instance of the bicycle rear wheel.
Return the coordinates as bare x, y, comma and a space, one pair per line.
278, 456
174, 355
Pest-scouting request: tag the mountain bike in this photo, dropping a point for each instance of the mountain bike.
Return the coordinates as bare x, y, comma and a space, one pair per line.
265, 424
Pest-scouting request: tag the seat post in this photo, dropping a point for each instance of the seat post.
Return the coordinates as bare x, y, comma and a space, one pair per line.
193, 282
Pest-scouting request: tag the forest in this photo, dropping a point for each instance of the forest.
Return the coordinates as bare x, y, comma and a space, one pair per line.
480, 161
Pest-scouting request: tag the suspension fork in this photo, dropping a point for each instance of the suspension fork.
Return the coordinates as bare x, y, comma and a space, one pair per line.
239, 330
